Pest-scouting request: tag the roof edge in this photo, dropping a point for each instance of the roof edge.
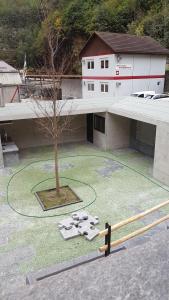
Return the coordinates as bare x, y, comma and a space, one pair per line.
95, 33
98, 34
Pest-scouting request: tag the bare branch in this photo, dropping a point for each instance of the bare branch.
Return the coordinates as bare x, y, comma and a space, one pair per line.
49, 114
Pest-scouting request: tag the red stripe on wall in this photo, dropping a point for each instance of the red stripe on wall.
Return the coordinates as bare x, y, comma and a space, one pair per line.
122, 77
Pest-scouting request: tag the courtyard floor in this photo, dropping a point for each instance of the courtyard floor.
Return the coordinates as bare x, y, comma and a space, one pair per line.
113, 185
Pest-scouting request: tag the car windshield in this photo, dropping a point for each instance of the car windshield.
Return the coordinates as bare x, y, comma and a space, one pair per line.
148, 96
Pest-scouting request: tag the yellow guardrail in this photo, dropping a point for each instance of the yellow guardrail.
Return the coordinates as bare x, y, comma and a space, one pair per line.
107, 232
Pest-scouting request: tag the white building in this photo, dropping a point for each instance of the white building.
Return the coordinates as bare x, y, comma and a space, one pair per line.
116, 64
10, 81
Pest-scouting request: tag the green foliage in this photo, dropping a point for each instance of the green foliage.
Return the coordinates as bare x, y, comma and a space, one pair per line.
19, 26
78, 15
114, 15
22, 28
155, 23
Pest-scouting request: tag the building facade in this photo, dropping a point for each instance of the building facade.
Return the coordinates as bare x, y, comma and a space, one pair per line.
120, 64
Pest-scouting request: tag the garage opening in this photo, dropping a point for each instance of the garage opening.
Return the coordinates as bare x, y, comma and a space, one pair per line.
142, 137
89, 119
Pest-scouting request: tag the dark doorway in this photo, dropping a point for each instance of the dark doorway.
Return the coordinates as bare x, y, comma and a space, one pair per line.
90, 128
142, 137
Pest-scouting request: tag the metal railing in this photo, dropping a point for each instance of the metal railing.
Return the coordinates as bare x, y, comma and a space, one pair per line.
109, 229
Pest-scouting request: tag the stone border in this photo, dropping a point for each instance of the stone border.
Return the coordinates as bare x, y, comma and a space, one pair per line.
57, 206
34, 277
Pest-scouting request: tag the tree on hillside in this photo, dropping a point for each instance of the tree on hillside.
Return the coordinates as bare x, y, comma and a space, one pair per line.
155, 23
113, 15
19, 26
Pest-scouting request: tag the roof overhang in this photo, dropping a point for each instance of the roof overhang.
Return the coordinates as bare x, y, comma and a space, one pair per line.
151, 50
149, 111
90, 40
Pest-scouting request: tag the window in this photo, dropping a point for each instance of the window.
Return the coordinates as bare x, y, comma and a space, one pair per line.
104, 64
99, 123
90, 64
104, 87
90, 86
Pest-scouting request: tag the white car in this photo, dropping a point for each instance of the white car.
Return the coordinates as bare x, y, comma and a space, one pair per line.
157, 96
143, 94
149, 95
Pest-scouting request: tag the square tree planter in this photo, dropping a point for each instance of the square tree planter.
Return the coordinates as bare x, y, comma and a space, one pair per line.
48, 199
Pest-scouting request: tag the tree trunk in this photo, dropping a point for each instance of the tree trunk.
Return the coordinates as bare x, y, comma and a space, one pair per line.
56, 142
56, 168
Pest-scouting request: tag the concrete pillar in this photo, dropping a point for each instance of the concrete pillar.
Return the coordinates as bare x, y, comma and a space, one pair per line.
117, 132
161, 155
1, 155
2, 102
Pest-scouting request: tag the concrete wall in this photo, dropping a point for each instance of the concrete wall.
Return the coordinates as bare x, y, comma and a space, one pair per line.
71, 88
161, 157
117, 132
26, 133
146, 133
143, 137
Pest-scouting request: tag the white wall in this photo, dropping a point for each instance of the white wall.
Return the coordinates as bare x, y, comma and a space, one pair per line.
11, 78
11, 92
97, 72
123, 65
97, 92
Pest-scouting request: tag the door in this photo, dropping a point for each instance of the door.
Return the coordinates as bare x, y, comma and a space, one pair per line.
90, 128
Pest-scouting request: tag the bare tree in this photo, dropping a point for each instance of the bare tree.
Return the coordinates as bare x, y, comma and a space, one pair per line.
49, 114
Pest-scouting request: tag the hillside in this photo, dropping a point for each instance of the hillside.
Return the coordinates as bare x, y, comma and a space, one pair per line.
21, 24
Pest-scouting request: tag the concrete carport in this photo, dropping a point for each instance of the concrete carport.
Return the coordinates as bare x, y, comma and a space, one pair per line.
118, 113
155, 113
122, 132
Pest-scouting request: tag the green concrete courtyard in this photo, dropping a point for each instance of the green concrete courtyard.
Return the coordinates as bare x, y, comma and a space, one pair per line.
113, 186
